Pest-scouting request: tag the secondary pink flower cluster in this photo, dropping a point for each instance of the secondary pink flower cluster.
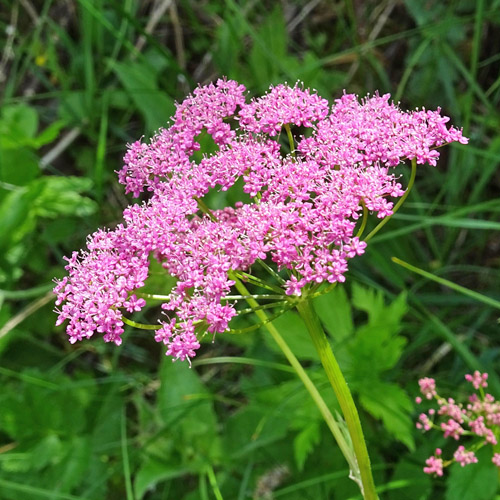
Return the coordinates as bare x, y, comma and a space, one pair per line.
298, 210
480, 418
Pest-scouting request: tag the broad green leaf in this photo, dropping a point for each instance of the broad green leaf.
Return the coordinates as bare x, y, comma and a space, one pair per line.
185, 407
16, 217
304, 443
269, 49
377, 346
18, 166
375, 349
389, 403
45, 197
49, 134
369, 300
42, 419
293, 330
334, 310
60, 196
155, 471
18, 124
140, 81
372, 302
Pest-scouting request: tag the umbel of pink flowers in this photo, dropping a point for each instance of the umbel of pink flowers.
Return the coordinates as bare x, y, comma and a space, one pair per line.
298, 211
479, 420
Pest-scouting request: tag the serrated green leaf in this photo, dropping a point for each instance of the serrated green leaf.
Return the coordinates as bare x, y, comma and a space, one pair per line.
375, 350
372, 302
305, 442
45, 197
334, 310
369, 300
376, 346
389, 403
43, 419
74, 467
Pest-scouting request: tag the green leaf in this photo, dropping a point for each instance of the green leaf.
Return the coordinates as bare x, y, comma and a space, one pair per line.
18, 166
474, 481
372, 302
376, 346
49, 134
60, 196
184, 404
155, 471
304, 443
16, 217
269, 49
375, 350
18, 125
334, 310
419, 484
72, 469
389, 403
42, 419
293, 330
45, 197
140, 81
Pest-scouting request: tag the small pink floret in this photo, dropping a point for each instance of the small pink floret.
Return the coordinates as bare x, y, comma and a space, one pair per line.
477, 379
464, 457
427, 387
434, 466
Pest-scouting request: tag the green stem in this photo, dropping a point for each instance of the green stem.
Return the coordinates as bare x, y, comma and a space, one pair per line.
271, 271
258, 282
384, 221
343, 394
460, 289
254, 296
364, 220
204, 208
332, 424
213, 482
290, 139
154, 296
140, 326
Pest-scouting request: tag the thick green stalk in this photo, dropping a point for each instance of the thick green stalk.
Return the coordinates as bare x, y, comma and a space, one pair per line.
332, 424
343, 394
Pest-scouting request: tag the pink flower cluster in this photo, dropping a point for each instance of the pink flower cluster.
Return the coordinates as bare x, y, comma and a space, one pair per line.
301, 216
480, 418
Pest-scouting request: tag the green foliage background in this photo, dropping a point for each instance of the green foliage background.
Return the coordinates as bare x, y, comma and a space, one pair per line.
80, 79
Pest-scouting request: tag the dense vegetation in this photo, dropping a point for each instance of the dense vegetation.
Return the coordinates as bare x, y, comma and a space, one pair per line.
80, 80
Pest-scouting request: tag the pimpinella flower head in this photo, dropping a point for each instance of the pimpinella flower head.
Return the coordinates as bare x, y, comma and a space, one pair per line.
299, 215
